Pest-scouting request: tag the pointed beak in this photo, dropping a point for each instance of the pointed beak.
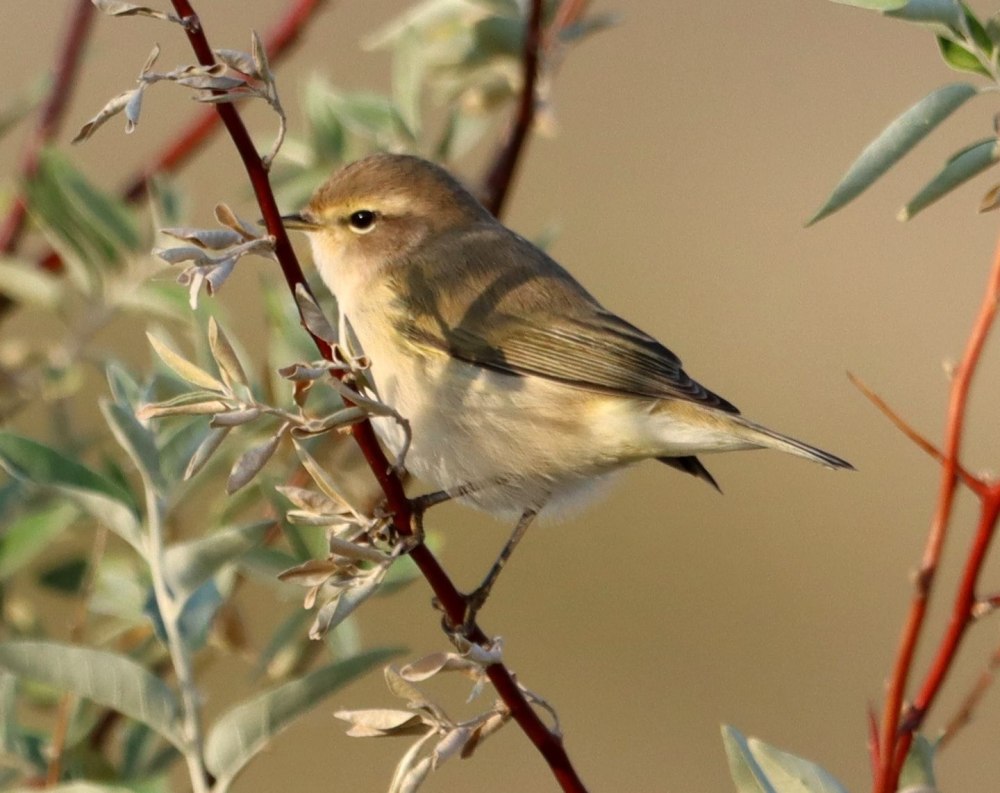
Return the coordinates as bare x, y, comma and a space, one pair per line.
298, 221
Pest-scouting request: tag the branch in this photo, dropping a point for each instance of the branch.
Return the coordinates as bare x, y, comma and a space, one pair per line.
453, 603
974, 483
896, 737
500, 176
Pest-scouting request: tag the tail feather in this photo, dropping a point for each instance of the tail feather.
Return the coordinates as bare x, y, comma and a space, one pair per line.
691, 465
768, 438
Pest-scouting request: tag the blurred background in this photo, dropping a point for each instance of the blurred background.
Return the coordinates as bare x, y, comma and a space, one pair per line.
693, 141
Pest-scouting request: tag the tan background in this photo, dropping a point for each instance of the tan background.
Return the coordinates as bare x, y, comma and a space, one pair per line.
695, 138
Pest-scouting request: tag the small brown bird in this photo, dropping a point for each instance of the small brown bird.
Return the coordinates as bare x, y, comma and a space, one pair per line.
521, 389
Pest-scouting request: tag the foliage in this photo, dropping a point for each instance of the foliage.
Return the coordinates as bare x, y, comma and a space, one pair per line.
207, 478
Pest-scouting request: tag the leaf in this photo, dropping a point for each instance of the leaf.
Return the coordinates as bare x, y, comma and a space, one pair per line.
791, 774
114, 515
243, 731
945, 12
136, 440
918, 768
190, 564
894, 142
967, 163
743, 768
252, 461
224, 354
757, 767
183, 368
35, 462
29, 535
959, 58
205, 451
108, 679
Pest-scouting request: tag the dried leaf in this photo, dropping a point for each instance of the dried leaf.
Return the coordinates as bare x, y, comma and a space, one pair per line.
238, 61
132, 109
253, 460
382, 721
991, 200
309, 573
225, 356
111, 109
229, 219
312, 315
117, 8
183, 368
205, 451
214, 239
160, 410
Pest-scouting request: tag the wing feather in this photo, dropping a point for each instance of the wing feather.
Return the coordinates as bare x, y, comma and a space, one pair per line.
502, 312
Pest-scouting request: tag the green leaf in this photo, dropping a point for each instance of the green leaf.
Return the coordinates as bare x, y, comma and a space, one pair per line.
743, 768
959, 58
33, 461
791, 774
246, 729
894, 142
136, 440
108, 679
918, 768
944, 12
962, 166
30, 534
109, 512
94, 225
190, 564
757, 767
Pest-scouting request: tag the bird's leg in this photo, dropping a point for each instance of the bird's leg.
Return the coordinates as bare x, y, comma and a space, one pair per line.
475, 600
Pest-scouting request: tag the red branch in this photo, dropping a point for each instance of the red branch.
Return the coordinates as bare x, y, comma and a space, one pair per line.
897, 733
452, 601
50, 117
500, 176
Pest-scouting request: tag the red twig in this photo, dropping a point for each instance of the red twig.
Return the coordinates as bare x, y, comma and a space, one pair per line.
897, 735
501, 174
547, 743
51, 115
974, 483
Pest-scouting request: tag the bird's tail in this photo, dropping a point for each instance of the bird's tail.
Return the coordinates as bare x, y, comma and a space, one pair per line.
768, 438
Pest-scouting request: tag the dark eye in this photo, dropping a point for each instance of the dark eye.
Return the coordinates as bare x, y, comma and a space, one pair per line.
362, 221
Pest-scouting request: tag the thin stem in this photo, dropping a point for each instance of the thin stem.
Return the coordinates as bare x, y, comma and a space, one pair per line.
893, 744
505, 165
169, 609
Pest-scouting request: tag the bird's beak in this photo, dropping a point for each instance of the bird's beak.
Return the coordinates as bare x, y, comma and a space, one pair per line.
299, 222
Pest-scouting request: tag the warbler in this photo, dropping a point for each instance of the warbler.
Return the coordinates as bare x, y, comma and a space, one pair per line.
522, 391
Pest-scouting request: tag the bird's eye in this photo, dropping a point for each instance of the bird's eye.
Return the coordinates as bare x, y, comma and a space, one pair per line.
362, 221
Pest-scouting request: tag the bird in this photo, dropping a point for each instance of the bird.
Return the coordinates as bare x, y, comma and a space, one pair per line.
523, 393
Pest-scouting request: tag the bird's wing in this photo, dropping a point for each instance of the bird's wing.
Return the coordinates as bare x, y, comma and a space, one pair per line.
502, 304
